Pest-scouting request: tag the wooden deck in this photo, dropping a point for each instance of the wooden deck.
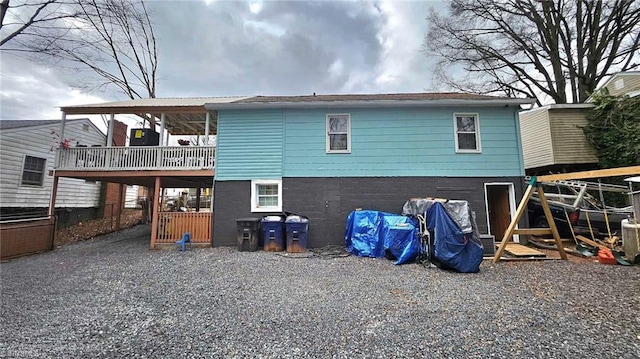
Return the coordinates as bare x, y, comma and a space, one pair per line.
148, 158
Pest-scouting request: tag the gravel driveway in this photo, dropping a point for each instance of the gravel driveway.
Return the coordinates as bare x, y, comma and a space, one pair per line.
112, 297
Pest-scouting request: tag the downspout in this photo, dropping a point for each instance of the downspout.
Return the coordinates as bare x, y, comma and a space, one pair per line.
63, 124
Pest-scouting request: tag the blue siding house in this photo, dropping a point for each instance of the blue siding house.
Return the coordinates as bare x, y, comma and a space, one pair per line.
324, 156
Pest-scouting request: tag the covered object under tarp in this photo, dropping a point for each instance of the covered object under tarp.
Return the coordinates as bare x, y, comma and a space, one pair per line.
456, 240
378, 234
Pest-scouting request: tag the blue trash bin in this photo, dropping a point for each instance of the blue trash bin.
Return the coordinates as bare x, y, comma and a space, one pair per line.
273, 233
297, 230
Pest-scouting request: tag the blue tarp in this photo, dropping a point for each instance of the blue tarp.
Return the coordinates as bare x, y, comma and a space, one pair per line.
362, 235
370, 233
453, 248
402, 242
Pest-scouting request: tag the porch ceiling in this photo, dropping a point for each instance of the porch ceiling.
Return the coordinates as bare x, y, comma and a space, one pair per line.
183, 116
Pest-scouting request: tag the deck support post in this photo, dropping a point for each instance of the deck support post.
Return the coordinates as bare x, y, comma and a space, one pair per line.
54, 193
198, 190
155, 213
206, 128
120, 205
163, 118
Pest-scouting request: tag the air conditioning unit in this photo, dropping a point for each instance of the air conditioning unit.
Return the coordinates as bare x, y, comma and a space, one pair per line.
144, 137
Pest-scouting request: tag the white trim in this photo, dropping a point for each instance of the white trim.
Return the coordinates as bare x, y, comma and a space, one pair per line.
633, 93
254, 196
512, 206
477, 132
328, 144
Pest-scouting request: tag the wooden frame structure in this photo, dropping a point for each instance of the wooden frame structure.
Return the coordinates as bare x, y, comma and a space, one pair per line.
535, 185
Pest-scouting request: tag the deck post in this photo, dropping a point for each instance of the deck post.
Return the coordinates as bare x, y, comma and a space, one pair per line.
155, 213
107, 161
206, 128
119, 210
163, 118
198, 190
54, 193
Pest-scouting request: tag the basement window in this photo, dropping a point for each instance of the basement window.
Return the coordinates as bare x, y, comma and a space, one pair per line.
266, 196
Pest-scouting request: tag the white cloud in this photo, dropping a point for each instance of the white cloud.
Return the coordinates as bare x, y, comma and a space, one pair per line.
255, 7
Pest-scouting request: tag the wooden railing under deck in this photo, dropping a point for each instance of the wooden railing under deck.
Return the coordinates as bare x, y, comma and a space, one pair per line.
171, 226
135, 158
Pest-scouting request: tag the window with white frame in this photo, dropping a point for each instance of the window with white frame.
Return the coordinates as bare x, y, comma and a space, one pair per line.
33, 171
339, 133
467, 127
266, 196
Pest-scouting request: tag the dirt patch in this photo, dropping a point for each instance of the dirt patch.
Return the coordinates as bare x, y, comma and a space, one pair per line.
89, 229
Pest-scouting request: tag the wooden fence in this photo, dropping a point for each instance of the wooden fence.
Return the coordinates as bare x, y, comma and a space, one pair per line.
26, 236
171, 226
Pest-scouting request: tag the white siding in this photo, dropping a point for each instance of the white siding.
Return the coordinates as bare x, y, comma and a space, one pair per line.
131, 198
535, 133
37, 141
630, 82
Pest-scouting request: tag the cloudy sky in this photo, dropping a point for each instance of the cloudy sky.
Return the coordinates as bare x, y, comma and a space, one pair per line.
225, 48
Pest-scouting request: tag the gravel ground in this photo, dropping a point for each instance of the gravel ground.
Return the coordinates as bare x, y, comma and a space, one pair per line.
112, 297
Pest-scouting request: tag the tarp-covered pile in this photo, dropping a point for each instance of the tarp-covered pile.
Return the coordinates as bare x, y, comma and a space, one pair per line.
373, 233
457, 242
455, 239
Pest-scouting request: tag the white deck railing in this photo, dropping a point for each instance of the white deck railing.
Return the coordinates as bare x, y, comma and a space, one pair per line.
135, 158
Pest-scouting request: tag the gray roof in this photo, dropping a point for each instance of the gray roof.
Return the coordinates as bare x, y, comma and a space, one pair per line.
8, 124
371, 101
374, 97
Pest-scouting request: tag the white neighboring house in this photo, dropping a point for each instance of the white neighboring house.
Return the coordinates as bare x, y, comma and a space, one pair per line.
27, 154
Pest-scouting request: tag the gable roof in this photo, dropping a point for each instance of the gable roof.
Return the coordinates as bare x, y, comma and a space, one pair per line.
9, 124
370, 100
617, 75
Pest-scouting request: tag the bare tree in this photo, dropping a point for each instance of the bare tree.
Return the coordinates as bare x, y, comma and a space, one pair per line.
550, 49
31, 15
112, 39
